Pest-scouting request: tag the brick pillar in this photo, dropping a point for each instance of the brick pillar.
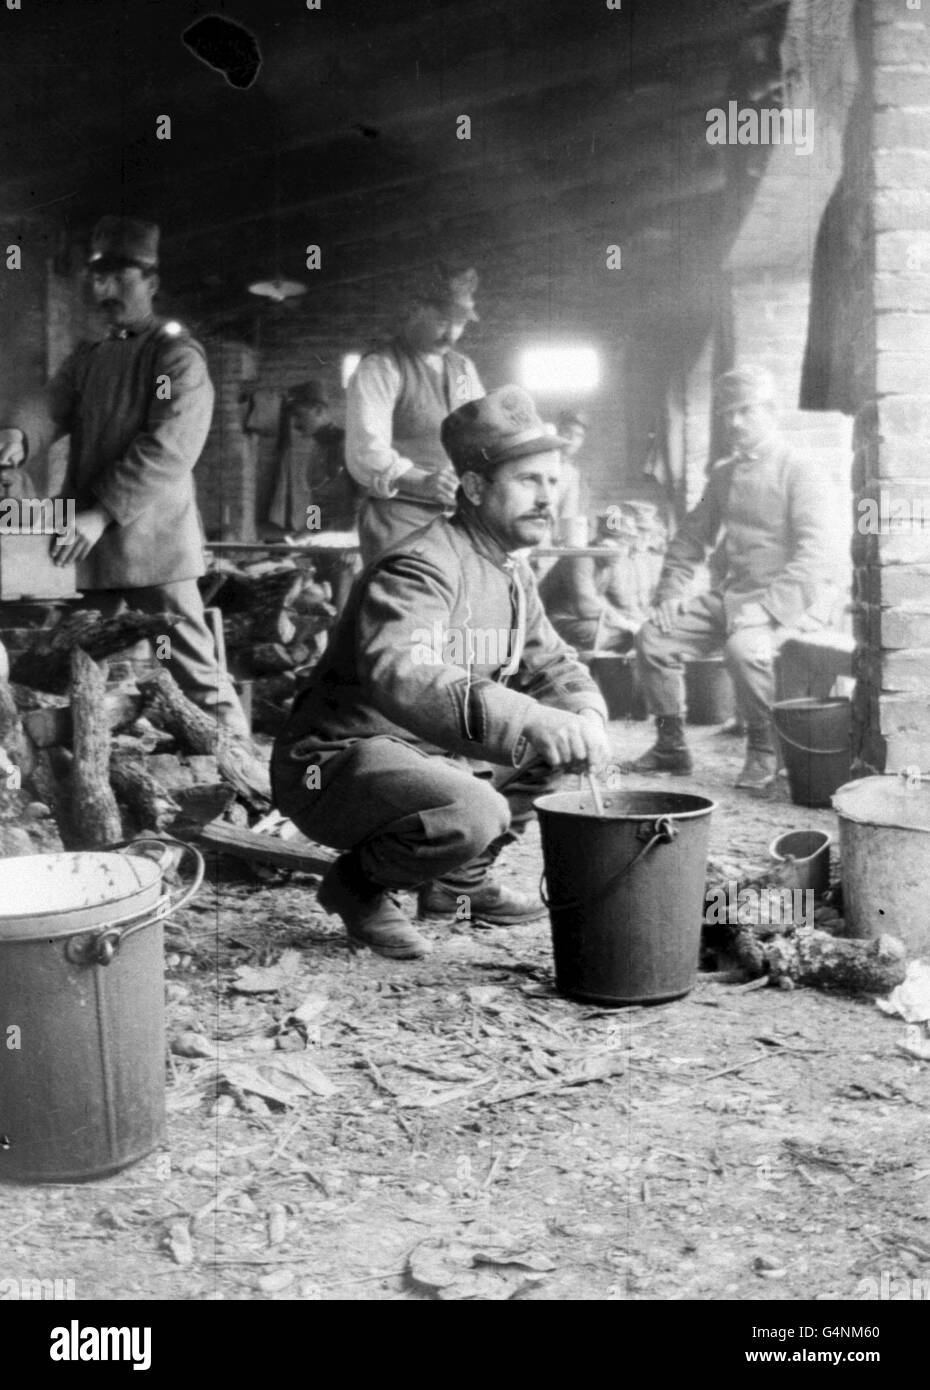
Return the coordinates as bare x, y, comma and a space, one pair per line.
890, 154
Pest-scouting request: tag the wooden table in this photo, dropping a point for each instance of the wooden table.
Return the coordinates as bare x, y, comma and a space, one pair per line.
295, 552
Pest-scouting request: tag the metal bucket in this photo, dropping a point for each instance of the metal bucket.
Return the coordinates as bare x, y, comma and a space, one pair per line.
816, 746
625, 893
82, 985
709, 694
615, 674
808, 853
885, 859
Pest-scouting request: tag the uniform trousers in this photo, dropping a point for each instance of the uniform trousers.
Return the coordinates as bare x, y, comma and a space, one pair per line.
701, 630
412, 816
193, 659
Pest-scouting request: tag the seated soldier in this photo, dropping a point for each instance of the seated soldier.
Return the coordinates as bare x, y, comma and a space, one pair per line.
588, 597
446, 702
764, 509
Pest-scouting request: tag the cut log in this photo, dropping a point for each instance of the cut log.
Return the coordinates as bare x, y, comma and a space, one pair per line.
238, 759
262, 597
151, 805
267, 849
281, 609
158, 739
52, 725
96, 818
12, 736
53, 792
167, 707
174, 773
46, 666
820, 961
26, 826
15, 841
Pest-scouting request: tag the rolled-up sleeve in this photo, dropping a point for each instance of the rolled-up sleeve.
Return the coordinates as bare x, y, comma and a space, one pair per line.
370, 399
169, 446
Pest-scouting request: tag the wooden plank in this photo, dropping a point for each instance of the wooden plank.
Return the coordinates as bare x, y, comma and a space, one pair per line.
267, 849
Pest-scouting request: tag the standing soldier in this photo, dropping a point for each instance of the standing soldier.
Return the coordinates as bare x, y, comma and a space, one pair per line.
137, 408
396, 401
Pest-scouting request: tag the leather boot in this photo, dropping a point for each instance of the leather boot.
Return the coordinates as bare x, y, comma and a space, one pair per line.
669, 753
372, 915
761, 765
486, 904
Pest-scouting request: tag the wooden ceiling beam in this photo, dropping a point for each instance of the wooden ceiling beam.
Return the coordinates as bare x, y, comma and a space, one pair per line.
575, 74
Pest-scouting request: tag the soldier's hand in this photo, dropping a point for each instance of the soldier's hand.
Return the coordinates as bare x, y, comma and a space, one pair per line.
575, 743
664, 614
595, 735
440, 487
89, 526
12, 448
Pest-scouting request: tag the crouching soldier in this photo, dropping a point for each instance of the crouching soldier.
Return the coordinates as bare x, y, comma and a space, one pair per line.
446, 702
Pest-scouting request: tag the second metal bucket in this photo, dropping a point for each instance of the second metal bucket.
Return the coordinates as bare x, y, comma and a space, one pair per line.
615, 673
815, 738
709, 694
625, 893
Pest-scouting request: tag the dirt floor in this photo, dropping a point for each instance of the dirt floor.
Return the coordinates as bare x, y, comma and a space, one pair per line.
452, 1128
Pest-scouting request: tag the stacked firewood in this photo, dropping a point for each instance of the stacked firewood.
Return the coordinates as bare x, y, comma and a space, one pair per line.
275, 618
90, 754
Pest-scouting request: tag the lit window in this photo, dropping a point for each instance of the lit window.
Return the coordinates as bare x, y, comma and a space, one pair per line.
559, 371
349, 362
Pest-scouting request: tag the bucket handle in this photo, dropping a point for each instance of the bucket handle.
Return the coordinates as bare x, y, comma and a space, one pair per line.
663, 831
101, 948
800, 746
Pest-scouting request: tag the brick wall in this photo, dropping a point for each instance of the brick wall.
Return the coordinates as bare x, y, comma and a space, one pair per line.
23, 347
226, 473
289, 349
891, 174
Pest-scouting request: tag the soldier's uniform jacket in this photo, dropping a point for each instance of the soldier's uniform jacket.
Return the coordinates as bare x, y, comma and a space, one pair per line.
133, 445
777, 548
409, 657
